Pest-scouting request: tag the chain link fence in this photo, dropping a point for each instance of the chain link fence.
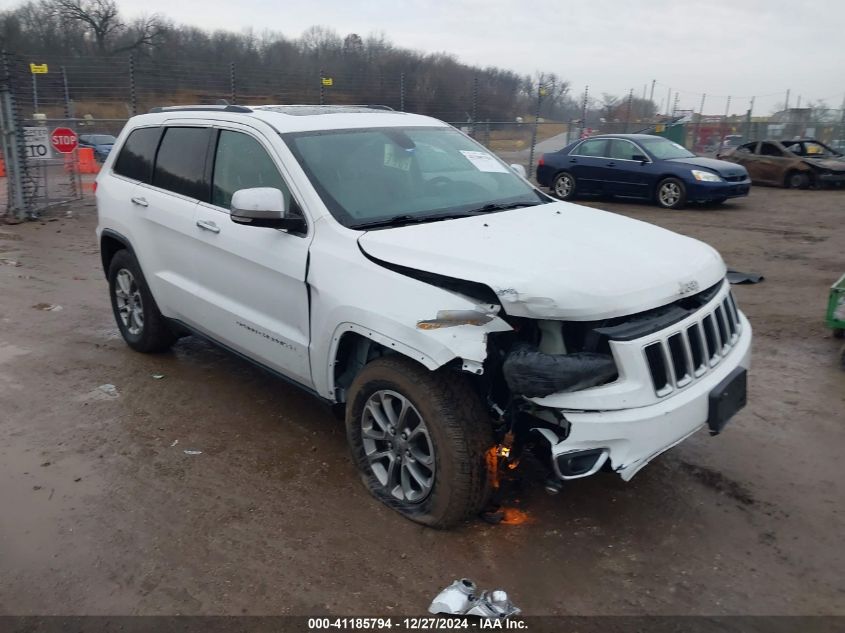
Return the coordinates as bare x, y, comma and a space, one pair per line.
96, 95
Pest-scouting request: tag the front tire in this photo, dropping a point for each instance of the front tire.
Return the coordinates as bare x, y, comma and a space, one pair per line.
138, 318
419, 440
671, 194
563, 186
797, 180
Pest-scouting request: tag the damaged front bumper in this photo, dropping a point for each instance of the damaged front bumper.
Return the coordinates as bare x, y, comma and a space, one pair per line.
629, 438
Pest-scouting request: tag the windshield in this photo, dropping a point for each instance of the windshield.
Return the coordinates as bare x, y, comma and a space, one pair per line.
398, 175
812, 149
664, 149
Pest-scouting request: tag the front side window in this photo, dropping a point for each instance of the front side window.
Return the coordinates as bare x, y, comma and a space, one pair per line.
624, 150
136, 157
242, 163
664, 149
389, 176
813, 149
595, 147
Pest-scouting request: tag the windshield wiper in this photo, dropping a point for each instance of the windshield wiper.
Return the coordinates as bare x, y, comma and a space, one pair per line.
402, 220
502, 206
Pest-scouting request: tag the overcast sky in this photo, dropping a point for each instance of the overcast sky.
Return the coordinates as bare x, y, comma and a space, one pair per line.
722, 47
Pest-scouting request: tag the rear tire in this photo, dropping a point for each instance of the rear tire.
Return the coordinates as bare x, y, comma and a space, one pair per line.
671, 194
563, 186
419, 440
138, 318
797, 180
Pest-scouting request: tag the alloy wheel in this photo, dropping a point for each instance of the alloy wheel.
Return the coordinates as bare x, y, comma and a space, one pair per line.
130, 307
398, 446
670, 193
563, 186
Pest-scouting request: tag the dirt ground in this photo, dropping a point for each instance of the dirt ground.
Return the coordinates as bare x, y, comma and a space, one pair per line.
103, 512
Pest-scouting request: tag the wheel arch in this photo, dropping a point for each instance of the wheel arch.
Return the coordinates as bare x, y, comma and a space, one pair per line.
354, 346
110, 243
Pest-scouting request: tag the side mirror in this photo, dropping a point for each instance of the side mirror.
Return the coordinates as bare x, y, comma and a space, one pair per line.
265, 207
640, 157
519, 170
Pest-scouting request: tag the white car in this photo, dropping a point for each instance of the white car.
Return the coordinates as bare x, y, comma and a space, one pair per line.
392, 266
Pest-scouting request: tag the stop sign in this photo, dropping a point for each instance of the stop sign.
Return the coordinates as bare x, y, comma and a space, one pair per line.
64, 140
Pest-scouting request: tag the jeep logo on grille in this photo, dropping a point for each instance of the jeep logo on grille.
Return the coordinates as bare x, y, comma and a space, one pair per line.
686, 287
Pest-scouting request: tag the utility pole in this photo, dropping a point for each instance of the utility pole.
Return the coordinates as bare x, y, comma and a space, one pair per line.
748, 123
402, 92
536, 123
34, 92
651, 94
675, 105
584, 111
233, 95
133, 95
842, 121
68, 113
668, 101
697, 140
786, 103
322, 89
628, 109
725, 120
475, 102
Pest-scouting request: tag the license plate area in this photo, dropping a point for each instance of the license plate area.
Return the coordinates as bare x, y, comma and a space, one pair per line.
726, 399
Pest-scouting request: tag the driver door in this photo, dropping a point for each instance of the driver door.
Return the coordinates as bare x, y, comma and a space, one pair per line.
251, 280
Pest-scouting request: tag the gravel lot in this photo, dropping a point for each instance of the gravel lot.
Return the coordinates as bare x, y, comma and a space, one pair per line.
103, 512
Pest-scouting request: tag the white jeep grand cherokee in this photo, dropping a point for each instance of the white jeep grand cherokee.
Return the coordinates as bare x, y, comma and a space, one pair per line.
392, 266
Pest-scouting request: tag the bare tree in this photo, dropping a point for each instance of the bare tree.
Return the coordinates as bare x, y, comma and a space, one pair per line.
143, 32
100, 17
609, 105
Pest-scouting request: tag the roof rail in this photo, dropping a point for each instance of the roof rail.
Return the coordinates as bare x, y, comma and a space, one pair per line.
201, 108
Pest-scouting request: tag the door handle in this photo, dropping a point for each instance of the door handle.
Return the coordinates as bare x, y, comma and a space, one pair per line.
141, 202
573, 160
207, 225
611, 164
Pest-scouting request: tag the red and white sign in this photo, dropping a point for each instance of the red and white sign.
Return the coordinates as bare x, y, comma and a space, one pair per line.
64, 140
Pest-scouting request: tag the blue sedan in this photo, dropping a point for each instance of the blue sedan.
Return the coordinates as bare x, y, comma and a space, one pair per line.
640, 166
100, 143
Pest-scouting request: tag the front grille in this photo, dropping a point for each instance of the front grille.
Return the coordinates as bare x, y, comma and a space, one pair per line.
737, 178
683, 356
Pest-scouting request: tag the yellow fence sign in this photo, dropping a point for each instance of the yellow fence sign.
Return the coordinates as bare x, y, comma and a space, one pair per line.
328, 81
38, 69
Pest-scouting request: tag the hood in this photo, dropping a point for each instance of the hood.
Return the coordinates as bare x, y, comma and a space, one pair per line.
833, 164
556, 260
721, 167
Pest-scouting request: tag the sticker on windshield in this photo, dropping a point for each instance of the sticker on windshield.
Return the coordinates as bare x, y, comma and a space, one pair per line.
484, 161
397, 157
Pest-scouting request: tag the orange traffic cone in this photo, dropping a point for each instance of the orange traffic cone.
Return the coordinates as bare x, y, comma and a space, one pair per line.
86, 162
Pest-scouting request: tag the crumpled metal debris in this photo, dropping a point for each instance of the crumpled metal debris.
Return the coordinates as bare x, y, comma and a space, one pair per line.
463, 598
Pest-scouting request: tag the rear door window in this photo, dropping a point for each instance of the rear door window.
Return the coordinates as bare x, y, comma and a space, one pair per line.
180, 163
770, 149
136, 157
594, 147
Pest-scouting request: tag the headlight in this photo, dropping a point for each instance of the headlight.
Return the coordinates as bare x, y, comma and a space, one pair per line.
705, 176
